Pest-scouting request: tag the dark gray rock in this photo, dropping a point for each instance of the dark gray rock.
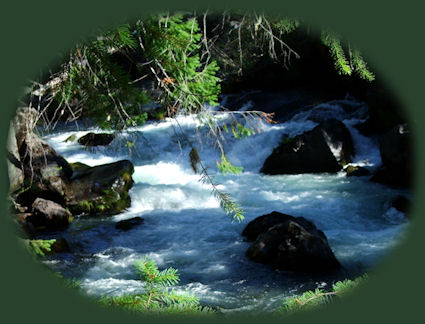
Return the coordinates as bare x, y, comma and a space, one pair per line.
47, 214
263, 223
93, 139
326, 148
289, 243
100, 189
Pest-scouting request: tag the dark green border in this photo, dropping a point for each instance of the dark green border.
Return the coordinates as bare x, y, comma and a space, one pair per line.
389, 36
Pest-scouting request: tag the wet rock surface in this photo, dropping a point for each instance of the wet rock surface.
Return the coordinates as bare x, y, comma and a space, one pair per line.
47, 214
93, 139
289, 243
100, 189
326, 148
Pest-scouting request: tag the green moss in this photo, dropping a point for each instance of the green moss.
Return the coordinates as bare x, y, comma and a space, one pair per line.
160, 115
344, 162
126, 176
84, 206
71, 138
350, 169
101, 208
78, 166
108, 201
111, 202
122, 203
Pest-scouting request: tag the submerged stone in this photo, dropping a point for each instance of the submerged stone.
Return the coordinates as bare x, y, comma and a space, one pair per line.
128, 224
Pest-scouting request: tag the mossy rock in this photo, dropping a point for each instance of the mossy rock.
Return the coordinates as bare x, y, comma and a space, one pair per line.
77, 168
101, 189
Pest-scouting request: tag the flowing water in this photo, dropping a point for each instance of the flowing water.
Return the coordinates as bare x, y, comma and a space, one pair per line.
185, 228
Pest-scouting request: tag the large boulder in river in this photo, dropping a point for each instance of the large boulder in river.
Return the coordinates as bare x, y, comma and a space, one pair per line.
396, 154
47, 214
93, 139
326, 148
289, 243
100, 189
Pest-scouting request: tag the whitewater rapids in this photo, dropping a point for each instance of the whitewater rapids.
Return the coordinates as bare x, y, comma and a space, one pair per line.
185, 228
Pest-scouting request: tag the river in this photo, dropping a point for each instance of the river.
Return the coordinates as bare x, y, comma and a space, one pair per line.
185, 228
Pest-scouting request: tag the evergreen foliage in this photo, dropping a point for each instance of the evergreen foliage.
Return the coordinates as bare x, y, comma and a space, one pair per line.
157, 298
239, 131
288, 24
311, 299
39, 247
91, 84
343, 65
361, 68
172, 43
226, 167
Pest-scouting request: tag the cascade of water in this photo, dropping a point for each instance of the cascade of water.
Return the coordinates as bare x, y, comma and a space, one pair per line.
185, 228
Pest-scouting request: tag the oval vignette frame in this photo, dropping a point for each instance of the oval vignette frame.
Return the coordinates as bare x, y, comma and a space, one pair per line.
23, 291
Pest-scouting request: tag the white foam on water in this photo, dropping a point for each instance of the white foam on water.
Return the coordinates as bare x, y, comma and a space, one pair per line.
366, 148
163, 173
